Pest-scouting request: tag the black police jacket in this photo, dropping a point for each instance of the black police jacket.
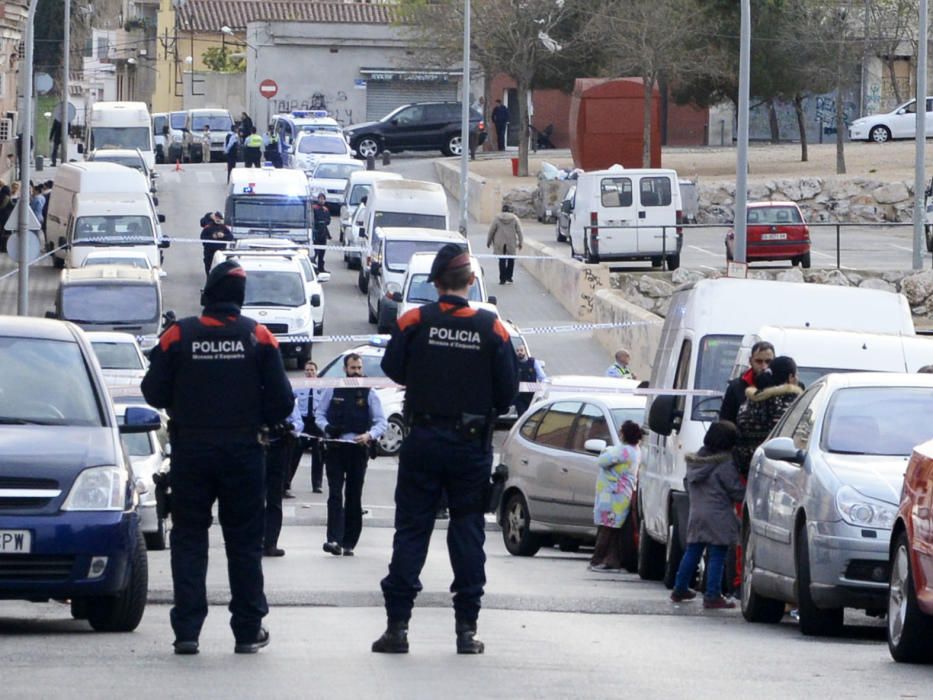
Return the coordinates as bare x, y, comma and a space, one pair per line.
219, 371
452, 359
349, 410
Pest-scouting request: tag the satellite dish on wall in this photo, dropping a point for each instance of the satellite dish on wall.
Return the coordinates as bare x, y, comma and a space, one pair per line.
57, 112
44, 83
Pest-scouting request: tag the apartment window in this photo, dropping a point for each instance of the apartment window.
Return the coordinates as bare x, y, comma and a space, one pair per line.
103, 46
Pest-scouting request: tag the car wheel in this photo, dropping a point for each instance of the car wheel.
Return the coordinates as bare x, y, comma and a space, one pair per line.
910, 631
362, 281
674, 551
453, 146
561, 238
805, 260
657, 261
367, 146
650, 555
156, 541
929, 237
516, 530
673, 262
755, 607
879, 134
814, 621
123, 612
391, 441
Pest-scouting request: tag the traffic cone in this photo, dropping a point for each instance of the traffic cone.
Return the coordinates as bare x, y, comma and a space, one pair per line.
178, 167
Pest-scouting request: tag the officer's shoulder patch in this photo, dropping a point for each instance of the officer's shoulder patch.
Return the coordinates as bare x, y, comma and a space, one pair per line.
265, 337
171, 336
501, 331
409, 318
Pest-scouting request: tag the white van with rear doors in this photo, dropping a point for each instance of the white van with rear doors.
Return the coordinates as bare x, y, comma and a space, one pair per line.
122, 125
699, 342
269, 202
621, 214
98, 206
358, 186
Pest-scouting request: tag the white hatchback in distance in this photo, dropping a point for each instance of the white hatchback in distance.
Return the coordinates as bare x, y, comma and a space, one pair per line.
900, 123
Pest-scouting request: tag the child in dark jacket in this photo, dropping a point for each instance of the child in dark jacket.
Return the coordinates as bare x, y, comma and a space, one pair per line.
713, 486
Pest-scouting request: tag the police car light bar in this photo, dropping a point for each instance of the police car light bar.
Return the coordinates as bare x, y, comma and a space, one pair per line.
304, 113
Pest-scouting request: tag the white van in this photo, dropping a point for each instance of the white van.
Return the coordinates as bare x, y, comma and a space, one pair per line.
199, 148
269, 202
122, 125
405, 204
391, 252
621, 214
417, 291
702, 333
358, 186
92, 202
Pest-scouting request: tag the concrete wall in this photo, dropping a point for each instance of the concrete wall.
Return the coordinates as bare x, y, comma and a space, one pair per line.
641, 338
571, 282
485, 196
226, 90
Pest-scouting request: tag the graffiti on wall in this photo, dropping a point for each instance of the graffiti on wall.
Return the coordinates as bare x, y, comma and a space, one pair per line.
873, 99
335, 103
819, 113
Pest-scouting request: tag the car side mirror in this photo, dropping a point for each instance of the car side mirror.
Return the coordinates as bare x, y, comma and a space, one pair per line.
397, 297
80, 148
168, 318
783, 449
353, 152
901, 111
567, 207
493, 300
393, 122
375, 269
664, 417
155, 201
315, 300
161, 218
154, 175
594, 445
140, 419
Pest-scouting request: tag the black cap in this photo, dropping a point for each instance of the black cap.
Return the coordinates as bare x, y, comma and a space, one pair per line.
450, 257
226, 283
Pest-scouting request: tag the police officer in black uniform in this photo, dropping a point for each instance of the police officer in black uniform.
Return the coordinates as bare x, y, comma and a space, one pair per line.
460, 372
221, 378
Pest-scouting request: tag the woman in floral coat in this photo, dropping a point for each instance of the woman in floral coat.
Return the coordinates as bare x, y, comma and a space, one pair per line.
615, 485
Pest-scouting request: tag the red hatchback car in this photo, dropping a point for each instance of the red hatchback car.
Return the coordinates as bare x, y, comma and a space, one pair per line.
776, 231
910, 599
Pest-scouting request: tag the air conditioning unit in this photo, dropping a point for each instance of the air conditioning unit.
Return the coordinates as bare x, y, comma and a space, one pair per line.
7, 129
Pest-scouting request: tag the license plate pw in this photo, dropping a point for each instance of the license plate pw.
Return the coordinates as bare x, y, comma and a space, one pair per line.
15, 541
774, 236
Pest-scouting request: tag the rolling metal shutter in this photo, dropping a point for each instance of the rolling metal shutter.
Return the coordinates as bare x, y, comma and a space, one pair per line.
382, 96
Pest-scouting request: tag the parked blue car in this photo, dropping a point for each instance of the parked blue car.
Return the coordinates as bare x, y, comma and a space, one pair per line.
69, 529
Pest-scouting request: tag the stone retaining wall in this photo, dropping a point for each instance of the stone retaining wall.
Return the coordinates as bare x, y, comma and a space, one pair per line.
573, 283
485, 195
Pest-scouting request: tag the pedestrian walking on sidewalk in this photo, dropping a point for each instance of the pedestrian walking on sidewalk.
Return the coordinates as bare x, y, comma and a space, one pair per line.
459, 371
714, 487
615, 484
505, 238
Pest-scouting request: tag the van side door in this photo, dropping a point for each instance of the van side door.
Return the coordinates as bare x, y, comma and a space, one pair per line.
655, 212
614, 215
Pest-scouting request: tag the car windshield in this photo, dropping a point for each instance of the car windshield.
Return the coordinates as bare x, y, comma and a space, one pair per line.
420, 291
714, 364
139, 262
371, 367
274, 288
217, 122
774, 215
129, 161
110, 303
398, 253
878, 420
313, 143
114, 230
46, 382
138, 444
401, 219
120, 137
177, 120
309, 128
269, 212
336, 171
357, 194
116, 355
620, 415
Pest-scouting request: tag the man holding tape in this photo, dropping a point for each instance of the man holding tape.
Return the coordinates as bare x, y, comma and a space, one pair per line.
459, 371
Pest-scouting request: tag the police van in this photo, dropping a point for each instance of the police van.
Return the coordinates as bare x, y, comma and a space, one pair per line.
269, 202
286, 127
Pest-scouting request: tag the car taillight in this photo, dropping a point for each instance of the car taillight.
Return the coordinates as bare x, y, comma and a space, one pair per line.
594, 232
481, 126
680, 220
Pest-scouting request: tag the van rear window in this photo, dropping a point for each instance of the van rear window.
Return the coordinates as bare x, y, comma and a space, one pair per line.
615, 192
655, 191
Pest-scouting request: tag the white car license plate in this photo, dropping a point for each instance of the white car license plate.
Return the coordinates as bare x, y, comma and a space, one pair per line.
15, 541
774, 236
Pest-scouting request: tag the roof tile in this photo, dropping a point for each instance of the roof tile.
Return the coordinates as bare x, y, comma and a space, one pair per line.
211, 15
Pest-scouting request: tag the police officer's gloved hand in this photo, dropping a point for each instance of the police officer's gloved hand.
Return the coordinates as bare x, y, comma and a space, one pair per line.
333, 431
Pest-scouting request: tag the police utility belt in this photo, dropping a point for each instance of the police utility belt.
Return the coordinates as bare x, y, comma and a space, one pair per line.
470, 426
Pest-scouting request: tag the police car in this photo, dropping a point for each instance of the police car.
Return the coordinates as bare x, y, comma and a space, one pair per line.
311, 148
392, 398
286, 127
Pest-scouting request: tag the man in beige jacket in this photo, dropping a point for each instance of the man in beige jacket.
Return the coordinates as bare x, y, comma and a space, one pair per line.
505, 238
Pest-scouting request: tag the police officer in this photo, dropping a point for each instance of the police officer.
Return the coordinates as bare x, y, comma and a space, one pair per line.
529, 370
216, 236
252, 149
231, 145
271, 149
306, 400
220, 377
352, 418
460, 372
320, 233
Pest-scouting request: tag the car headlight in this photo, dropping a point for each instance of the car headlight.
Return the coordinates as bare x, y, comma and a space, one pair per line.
98, 488
863, 511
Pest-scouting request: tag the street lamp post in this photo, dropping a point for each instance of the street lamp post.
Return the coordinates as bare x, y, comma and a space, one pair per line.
66, 78
22, 224
920, 141
741, 165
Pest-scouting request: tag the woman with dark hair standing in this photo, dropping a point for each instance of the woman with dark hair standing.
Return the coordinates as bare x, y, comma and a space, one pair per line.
615, 484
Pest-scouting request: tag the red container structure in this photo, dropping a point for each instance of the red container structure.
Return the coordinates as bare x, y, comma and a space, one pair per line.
606, 123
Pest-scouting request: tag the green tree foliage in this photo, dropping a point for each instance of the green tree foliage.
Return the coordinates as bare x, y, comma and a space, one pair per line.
224, 59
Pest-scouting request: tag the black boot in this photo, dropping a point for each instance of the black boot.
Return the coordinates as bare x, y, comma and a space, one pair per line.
467, 643
394, 640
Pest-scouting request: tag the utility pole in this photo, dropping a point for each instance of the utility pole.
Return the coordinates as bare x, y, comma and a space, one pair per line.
66, 81
465, 124
741, 166
22, 225
920, 139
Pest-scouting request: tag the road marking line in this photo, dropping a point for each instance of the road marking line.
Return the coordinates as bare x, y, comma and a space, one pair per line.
901, 247
704, 250
823, 255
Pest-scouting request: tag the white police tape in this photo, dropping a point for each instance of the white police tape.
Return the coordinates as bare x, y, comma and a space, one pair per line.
37, 260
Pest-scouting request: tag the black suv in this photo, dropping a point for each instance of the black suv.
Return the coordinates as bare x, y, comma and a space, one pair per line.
420, 126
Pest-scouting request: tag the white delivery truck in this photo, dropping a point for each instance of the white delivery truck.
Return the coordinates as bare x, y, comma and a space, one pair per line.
122, 125
98, 205
702, 333
401, 204
622, 214
269, 202
358, 186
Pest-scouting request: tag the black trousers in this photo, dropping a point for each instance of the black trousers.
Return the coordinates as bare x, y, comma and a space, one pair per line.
55, 146
319, 256
506, 266
278, 461
346, 470
231, 472
433, 461
231, 163
316, 448
252, 157
500, 135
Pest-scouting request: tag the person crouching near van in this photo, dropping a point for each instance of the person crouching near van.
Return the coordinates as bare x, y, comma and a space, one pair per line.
615, 483
713, 486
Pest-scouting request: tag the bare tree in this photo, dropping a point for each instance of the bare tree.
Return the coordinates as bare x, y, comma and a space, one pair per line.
891, 32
